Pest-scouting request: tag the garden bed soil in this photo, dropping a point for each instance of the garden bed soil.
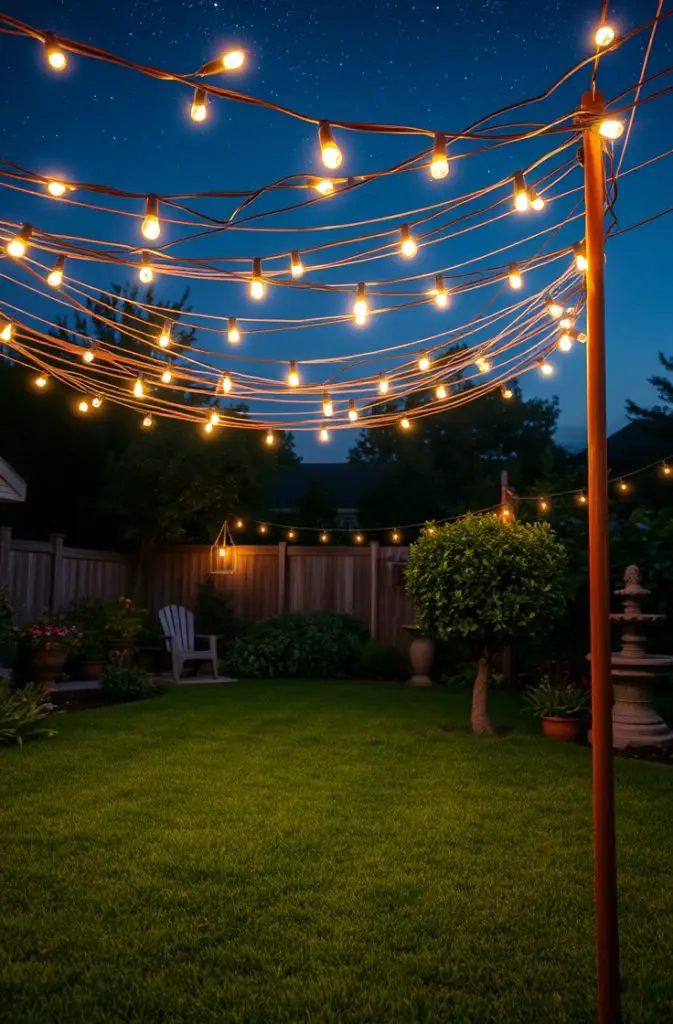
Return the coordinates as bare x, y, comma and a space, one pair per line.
658, 755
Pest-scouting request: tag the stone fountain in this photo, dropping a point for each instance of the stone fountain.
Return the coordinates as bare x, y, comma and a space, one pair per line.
635, 723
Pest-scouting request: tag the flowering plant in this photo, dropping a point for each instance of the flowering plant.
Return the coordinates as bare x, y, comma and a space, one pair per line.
42, 632
124, 620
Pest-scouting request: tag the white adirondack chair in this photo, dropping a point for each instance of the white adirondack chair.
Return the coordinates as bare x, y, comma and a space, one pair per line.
178, 626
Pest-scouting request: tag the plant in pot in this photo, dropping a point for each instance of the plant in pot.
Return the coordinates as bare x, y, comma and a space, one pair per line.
43, 648
560, 706
486, 582
123, 625
90, 617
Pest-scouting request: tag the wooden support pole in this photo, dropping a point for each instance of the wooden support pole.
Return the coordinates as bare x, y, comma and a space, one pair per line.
605, 869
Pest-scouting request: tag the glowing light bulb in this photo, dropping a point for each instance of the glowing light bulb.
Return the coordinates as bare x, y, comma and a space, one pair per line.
89, 356
165, 336
208, 427
324, 186
440, 391
56, 188
41, 381
138, 388
554, 309
199, 105
296, 265
405, 423
214, 418
147, 422
439, 165
293, 379
611, 128
323, 436
423, 361
546, 369
56, 58
145, 274
483, 365
55, 278
515, 278
666, 469
269, 439
521, 201
239, 524
227, 384
257, 288
291, 535
384, 384
329, 151
6, 331
360, 306
543, 505
623, 486
604, 35
506, 392
581, 263
233, 333
565, 342
581, 499
408, 246
395, 537
358, 538
324, 537
352, 411
222, 552
263, 528
97, 402
536, 201
581, 337
17, 246
83, 407
327, 406
232, 60
166, 377
151, 226
566, 323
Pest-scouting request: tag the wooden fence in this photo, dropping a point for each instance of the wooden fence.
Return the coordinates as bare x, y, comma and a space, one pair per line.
365, 581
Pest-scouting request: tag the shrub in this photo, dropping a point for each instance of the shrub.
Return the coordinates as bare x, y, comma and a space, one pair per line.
129, 683
214, 612
559, 700
318, 644
381, 661
21, 711
123, 620
6, 617
90, 616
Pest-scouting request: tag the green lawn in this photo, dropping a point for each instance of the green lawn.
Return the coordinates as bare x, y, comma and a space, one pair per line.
318, 852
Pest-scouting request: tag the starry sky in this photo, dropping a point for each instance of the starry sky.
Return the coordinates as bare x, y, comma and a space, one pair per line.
441, 63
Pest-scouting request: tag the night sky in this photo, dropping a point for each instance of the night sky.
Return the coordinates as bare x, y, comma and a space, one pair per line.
440, 64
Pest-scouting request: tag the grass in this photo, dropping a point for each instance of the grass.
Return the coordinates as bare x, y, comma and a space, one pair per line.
318, 852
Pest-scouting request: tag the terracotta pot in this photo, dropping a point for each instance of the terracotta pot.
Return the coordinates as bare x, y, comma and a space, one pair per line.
45, 664
120, 652
561, 728
90, 669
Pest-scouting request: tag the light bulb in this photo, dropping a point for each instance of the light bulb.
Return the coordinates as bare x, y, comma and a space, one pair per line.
623, 486
199, 105
291, 535
97, 402
423, 361
384, 384
329, 151
269, 439
581, 263
605, 34
506, 392
89, 356
56, 188
6, 331
55, 278
18, 245
440, 293
327, 406
483, 365
554, 309
566, 323
145, 274
543, 505
324, 538
138, 389
214, 418
439, 166
232, 60
352, 411
515, 278
358, 538
565, 342
323, 435
521, 201
546, 369
256, 282
83, 406
324, 186
395, 537
165, 336
536, 201
440, 391
208, 427
611, 128
360, 306
56, 58
666, 469
166, 377
405, 423
233, 333
147, 421
581, 337
41, 381
293, 379
151, 226
581, 499
227, 384
263, 528
239, 524
296, 265
408, 246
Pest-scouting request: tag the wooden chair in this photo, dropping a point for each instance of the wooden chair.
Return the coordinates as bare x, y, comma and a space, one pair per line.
178, 626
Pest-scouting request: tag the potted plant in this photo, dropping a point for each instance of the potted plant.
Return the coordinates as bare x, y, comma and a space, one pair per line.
43, 649
124, 622
90, 617
560, 707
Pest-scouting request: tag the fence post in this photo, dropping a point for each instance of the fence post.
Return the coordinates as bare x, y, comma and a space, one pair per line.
56, 598
5, 552
282, 576
374, 592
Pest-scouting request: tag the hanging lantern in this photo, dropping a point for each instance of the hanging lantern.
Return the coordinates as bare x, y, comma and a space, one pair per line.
223, 553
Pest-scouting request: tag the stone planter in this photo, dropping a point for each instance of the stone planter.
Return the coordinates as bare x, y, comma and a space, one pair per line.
562, 728
90, 669
421, 656
45, 664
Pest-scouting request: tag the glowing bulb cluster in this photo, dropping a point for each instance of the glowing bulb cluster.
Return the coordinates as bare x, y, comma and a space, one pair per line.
525, 198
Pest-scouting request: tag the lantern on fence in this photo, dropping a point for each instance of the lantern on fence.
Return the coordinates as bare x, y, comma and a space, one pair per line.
223, 553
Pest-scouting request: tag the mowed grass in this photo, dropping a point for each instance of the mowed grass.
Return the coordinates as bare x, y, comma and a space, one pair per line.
319, 852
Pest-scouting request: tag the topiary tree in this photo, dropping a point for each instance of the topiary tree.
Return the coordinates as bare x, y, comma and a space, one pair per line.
486, 582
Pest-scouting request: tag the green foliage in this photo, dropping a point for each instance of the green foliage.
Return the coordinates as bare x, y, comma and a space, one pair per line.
6, 616
381, 661
214, 611
556, 700
486, 581
128, 683
90, 615
317, 644
21, 711
124, 619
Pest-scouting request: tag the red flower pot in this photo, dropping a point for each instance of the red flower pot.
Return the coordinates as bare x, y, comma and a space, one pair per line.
561, 728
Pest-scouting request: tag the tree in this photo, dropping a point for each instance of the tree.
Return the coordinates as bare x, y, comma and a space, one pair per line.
486, 582
658, 417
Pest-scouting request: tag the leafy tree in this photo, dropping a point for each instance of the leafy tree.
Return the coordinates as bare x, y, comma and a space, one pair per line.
658, 417
486, 582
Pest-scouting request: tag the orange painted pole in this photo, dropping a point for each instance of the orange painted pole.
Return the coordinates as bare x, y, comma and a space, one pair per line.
605, 868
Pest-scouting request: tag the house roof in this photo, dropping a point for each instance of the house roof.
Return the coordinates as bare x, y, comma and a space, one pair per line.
345, 482
635, 445
12, 486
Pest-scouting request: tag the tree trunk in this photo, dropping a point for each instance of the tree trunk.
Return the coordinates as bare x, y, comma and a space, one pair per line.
480, 722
